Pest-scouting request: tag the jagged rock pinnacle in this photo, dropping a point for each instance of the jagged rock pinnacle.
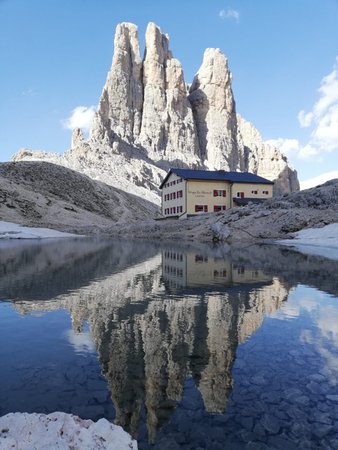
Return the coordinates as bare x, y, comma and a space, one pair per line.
146, 122
214, 111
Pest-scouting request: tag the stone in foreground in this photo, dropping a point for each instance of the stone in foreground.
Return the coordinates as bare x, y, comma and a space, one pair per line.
23, 431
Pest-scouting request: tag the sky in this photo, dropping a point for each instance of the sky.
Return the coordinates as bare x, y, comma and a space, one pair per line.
283, 54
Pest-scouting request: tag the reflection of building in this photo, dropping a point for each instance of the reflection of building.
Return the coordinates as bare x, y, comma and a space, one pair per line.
148, 343
199, 269
188, 192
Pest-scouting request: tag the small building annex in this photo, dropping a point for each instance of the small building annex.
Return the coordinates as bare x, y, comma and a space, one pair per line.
188, 192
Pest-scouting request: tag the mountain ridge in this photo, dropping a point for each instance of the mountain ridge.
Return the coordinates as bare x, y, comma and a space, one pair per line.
147, 122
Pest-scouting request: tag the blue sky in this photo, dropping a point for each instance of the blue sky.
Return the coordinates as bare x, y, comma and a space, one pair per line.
55, 55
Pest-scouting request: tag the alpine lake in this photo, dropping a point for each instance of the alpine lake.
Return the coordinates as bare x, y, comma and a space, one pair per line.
186, 346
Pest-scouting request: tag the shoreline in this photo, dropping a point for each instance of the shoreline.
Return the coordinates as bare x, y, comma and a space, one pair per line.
311, 241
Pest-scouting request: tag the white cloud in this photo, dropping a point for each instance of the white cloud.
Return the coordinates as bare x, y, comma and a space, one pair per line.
323, 118
81, 342
308, 151
328, 91
229, 14
305, 119
81, 117
320, 179
325, 135
286, 146
30, 92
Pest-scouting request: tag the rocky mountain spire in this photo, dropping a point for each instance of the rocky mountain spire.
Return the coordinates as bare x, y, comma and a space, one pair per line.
146, 122
168, 130
120, 108
214, 111
264, 159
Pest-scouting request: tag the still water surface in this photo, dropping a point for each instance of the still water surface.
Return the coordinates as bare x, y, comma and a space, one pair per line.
186, 347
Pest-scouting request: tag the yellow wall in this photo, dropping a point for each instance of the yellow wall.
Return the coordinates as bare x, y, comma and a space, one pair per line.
174, 188
202, 193
193, 269
247, 188
204, 270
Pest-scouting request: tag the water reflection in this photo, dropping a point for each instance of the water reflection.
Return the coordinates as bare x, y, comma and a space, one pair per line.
166, 323
190, 269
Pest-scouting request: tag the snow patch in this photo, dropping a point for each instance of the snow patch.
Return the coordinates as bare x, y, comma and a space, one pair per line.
23, 431
9, 230
316, 241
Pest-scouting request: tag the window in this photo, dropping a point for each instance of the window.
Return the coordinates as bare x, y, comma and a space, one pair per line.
201, 258
240, 194
220, 273
201, 208
265, 192
219, 208
174, 209
219, 193
254, 192
174, 195
179, 194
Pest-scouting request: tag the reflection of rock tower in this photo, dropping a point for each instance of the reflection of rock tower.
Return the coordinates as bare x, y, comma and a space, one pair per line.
122, 364
222, 340
149, 343
231, 318
168, 329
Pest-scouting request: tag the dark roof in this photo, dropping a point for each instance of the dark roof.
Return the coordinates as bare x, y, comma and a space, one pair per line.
216, 175
240, 201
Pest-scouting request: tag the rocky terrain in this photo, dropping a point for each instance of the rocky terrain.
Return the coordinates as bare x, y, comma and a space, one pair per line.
277, 218
148, 119
46, 195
